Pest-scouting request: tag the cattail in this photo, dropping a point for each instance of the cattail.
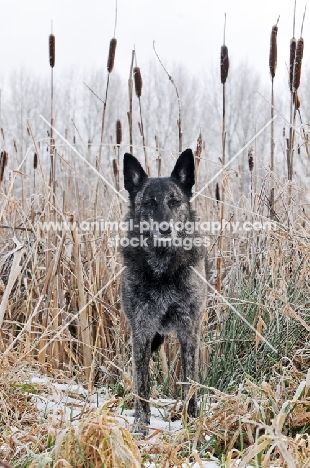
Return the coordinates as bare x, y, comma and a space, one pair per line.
5, 158
3, 163
89, 144
273, 51
15, 146
292, 61
297, 101
52, 50
298, 61
115, 168
250, 158
111, 57
217, 193
35, 161
2, 133
224, 63
118, 132
138, 81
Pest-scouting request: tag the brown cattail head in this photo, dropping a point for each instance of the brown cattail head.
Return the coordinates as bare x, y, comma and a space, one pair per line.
297, 65
15, 146
251, 158
52, 50
297, 101
118, 132
273, 51
35, 161
111, 57
224, 63
138, 81
292, 61
115, 168
3, 163
217, 193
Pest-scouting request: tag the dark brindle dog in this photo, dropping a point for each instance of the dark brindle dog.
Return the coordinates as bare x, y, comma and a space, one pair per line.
159, 290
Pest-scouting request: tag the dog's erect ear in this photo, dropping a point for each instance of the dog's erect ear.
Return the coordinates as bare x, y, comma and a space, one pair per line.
184, 171
134, 175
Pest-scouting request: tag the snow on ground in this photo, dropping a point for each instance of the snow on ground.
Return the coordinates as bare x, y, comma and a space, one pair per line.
65, 401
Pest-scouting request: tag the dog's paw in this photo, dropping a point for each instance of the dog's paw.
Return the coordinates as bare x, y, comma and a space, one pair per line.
140, 427
139, 430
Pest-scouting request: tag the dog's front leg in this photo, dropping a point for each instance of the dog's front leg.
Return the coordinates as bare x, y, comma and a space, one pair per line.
189, 356
141, 347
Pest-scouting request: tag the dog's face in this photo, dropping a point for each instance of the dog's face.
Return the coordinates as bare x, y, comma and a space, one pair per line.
160, 205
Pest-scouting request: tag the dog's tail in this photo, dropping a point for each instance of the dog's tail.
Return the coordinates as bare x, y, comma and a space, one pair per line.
157, 342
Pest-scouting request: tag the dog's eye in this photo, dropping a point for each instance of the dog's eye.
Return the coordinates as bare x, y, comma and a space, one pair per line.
174, 202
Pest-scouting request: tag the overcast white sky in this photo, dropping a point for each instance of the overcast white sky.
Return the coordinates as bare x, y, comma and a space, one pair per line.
189, 32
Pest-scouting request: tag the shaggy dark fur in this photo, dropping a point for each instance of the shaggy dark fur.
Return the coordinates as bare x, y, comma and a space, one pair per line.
160, 293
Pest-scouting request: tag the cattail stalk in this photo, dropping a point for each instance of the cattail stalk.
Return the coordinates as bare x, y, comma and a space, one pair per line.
197, 164
116, 162
251, 167
35, 165
273, 58
110, 66
158, 158
130, 94
179, 121
296, 56
224, 74
138, 89
51, 43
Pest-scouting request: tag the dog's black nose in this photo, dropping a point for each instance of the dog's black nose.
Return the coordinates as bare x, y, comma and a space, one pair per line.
165, 231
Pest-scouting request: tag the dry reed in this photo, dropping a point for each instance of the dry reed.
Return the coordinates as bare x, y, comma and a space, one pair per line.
273, 58
138, 89
179, 121
224, 68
